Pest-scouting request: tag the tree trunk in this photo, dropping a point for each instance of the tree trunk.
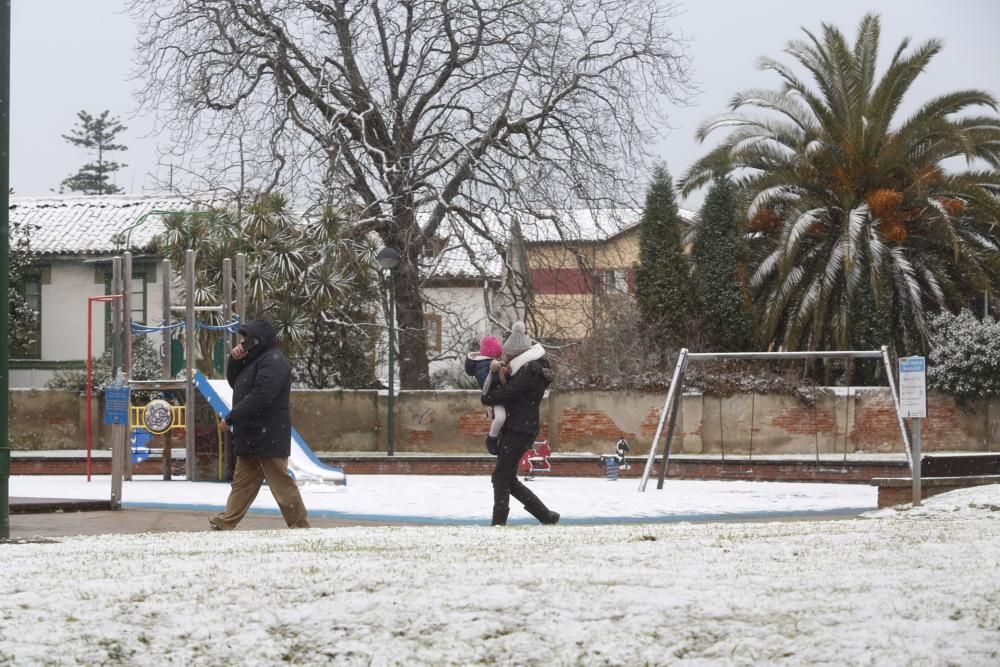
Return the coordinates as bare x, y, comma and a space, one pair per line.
411, 335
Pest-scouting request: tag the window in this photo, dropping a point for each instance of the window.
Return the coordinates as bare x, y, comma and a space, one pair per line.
139, 278
434, 247
33, 299
616, 280
432, 325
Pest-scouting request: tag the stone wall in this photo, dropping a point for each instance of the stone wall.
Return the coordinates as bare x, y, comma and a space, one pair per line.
573, 421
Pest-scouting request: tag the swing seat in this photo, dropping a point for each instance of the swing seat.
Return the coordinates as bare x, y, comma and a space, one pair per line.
536, 459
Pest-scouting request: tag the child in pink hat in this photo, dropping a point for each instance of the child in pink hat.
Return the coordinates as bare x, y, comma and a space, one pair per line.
483, 366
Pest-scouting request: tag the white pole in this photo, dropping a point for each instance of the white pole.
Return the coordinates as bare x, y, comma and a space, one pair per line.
915, 422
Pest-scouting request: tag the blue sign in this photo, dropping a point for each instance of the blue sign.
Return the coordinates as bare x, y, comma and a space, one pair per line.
116, 405
912, 365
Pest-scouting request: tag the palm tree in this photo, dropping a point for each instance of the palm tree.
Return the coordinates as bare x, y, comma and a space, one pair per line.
854, 222
303, 274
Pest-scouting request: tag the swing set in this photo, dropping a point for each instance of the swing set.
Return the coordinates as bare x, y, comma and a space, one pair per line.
733, 467
671, 408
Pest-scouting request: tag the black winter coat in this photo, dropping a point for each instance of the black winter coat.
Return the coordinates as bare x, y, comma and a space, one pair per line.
262, 383
522, 395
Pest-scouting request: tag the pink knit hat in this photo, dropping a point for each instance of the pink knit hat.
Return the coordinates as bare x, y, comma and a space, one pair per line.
490, 346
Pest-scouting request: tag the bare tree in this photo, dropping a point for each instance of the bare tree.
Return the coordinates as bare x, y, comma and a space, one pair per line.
425, 110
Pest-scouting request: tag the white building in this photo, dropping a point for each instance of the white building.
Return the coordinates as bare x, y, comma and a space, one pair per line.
75, 239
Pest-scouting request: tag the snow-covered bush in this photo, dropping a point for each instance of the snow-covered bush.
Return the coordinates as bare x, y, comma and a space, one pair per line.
146, 365
964, 360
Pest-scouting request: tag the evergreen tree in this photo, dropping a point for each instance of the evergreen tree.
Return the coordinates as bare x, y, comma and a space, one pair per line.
719, 270
95, 134
22, 319
662, 282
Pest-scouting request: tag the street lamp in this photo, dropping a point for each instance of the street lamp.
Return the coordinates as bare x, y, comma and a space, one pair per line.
388, 259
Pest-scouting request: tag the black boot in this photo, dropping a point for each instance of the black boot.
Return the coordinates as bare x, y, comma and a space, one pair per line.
544, 515
500, 516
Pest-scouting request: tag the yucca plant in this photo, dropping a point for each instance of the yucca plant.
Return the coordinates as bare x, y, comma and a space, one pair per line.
853, 219
303, 274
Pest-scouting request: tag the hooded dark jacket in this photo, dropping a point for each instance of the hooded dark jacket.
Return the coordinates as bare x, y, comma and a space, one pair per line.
262, 383
522, 395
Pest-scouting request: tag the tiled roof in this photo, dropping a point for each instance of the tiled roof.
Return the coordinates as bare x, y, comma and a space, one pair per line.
88, 225
583, 224
464, 256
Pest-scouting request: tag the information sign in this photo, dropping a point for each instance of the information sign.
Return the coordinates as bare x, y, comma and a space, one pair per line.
913, 387
115, 405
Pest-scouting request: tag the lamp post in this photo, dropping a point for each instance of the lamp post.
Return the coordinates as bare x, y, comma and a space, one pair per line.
4, 264
388, 259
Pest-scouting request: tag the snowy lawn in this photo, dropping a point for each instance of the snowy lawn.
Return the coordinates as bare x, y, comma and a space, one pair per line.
895, 587
457, 500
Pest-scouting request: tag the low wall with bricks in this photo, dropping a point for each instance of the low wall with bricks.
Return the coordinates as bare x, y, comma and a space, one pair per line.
862, 420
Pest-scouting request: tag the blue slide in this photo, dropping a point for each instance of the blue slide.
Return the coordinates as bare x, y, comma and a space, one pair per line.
302, 463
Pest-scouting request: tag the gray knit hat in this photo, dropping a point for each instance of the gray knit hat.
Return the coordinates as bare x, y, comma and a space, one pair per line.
517, 342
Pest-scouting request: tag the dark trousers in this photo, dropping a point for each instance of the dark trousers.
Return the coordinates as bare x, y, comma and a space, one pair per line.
506, 484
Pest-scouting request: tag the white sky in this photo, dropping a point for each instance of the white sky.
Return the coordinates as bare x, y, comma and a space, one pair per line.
69, 55
896, 587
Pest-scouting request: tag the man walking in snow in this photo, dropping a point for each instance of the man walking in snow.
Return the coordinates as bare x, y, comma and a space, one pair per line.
261, 379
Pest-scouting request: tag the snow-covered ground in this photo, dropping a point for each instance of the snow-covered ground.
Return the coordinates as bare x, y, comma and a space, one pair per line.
895, 587
457, 500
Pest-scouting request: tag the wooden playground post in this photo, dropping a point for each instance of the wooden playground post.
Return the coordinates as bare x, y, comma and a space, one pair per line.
168, 437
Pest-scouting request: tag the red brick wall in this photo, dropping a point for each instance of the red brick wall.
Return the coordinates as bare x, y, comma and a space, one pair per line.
579, 425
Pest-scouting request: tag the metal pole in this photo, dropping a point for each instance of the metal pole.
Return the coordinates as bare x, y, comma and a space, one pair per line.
890, 376
127, 341
168, 361
390, 417
917, 493
90, 384
226, 462
117, 444
674, 412
4, 266
850, 354
674, 387
189, 339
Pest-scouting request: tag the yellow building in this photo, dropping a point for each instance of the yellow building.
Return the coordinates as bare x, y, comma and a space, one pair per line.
581, 270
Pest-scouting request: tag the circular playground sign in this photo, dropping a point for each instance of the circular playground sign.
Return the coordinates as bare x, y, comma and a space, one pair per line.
158, 416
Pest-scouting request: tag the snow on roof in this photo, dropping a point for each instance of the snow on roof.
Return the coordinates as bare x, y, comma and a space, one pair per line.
462, 261
466, 255
583, 224
88, 225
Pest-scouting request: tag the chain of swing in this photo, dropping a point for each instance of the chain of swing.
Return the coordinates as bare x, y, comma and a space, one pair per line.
815, 406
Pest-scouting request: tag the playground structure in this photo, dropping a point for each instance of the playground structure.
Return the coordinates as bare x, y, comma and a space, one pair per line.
134, 424
671, 408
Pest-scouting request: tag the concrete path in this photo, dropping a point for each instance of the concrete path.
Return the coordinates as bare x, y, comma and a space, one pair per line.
131, 521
